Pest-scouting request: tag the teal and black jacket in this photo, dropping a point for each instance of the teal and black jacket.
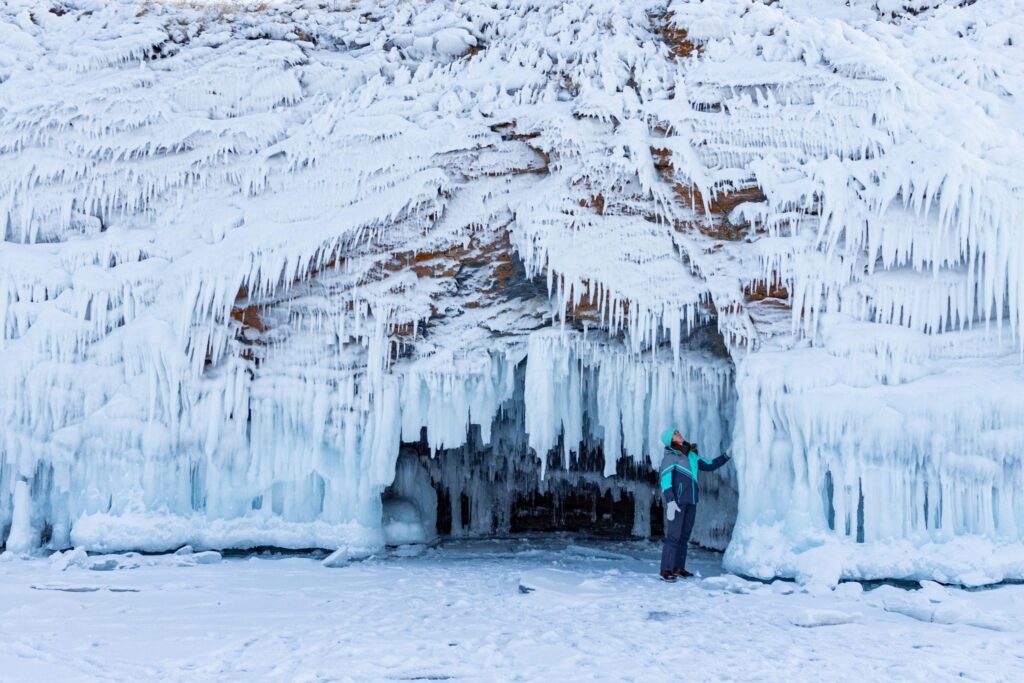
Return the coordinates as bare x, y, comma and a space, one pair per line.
679, 474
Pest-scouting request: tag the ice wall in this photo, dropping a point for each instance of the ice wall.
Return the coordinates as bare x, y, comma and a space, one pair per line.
845, 475
880, 436
245, 253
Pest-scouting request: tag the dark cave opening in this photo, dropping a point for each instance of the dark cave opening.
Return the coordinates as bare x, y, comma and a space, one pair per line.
584, 508
497, 487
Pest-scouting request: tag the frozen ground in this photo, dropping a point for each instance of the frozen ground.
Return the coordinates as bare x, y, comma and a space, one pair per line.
549, 609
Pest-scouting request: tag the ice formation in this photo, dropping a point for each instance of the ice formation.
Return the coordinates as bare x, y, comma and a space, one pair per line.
308, 274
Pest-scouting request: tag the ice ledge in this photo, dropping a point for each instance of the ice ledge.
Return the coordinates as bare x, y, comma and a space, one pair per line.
766, 552
162, 532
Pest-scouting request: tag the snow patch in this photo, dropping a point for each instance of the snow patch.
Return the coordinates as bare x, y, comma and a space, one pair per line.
812, 618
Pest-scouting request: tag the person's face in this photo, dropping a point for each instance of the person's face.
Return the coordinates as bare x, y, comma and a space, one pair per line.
677, 440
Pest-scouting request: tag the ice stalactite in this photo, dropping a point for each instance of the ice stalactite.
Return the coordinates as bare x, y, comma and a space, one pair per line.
565, 393
577, 389
587, 392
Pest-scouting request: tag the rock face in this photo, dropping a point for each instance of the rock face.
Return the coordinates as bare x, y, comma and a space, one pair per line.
252, 253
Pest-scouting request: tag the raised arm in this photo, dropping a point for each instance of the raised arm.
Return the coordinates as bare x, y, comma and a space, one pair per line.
706, 466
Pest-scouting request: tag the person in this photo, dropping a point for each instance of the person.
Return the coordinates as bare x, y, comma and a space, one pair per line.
679, 467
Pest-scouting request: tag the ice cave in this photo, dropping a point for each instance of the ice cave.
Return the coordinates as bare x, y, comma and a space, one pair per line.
338, 275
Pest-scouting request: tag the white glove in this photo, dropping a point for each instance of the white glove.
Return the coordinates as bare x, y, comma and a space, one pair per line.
671, 510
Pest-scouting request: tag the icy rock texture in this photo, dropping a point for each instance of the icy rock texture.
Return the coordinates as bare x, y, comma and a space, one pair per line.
248, 250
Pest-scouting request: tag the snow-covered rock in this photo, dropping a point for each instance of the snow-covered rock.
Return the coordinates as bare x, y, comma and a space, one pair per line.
940, 607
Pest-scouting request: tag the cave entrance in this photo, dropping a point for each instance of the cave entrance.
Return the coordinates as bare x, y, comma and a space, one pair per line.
509, 495
500, 489
497, 486
477, 491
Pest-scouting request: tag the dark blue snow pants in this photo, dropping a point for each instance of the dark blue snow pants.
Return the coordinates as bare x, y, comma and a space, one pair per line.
677, 538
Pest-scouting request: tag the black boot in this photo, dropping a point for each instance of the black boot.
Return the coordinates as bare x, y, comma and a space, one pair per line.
668, 576
682, 573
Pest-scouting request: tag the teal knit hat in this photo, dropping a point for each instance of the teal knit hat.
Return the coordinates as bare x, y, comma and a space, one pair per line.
666, 436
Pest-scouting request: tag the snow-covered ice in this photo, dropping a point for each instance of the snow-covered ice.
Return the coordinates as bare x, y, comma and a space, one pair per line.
542, 609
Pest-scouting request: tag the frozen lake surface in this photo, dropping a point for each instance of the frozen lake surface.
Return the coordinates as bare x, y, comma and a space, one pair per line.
553, 608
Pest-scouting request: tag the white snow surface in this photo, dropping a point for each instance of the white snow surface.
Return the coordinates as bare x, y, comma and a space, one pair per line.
514, 610
248, 249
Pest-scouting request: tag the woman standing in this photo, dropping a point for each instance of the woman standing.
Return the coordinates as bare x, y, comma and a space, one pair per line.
679, 467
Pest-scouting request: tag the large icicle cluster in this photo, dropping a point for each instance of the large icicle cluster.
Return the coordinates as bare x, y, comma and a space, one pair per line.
885, 433
245, 255
250, 249
565, 406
